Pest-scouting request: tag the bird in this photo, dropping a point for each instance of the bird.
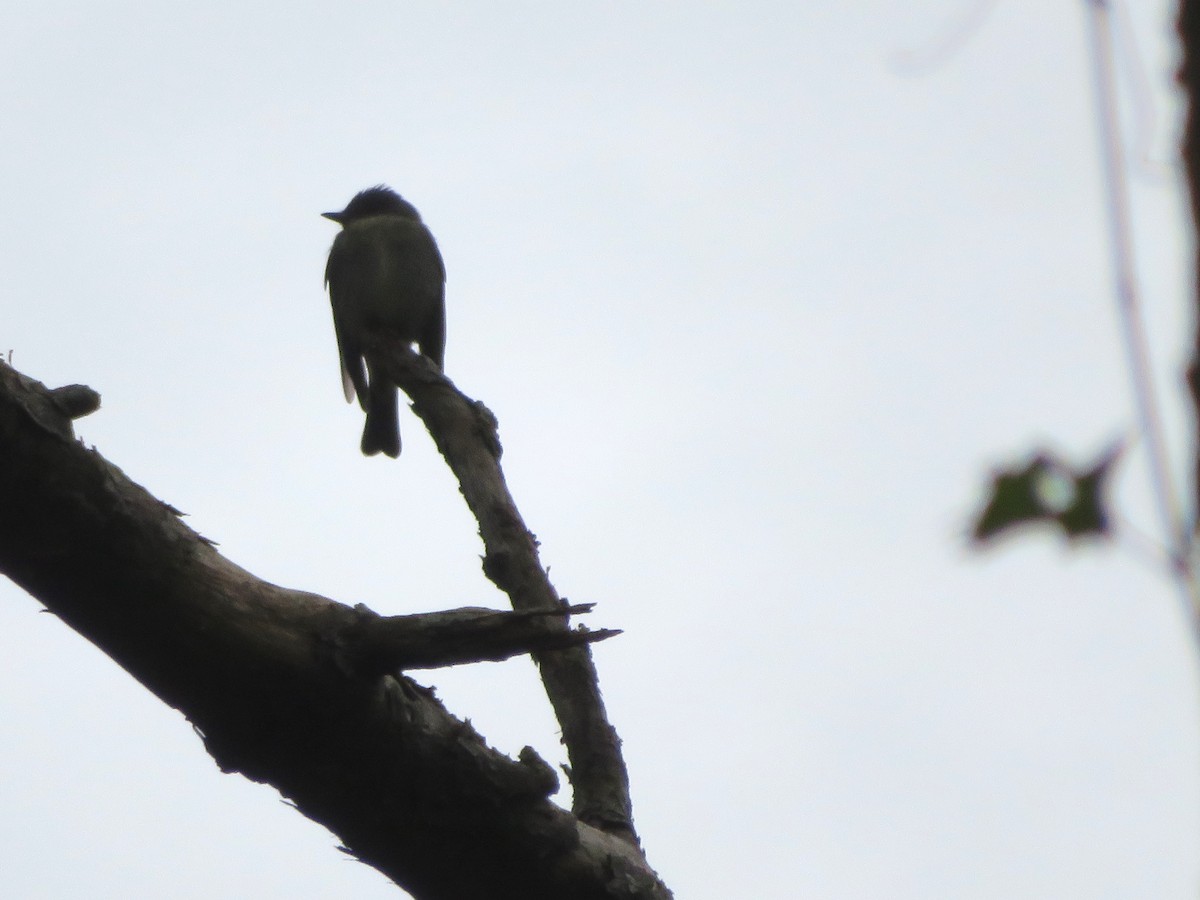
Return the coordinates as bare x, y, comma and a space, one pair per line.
386, 278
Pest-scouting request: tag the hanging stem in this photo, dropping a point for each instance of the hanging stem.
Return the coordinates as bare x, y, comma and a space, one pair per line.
1133, 330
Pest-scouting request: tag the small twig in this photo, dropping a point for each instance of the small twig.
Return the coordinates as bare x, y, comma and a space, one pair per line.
1128, 303
377, 644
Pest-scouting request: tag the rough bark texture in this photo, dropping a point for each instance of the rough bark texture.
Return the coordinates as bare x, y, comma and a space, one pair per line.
465, 433
284, 687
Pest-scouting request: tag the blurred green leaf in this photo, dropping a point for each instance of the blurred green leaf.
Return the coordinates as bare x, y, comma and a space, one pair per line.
1048, 490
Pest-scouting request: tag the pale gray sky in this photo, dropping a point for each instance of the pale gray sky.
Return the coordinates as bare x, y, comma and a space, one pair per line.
756, 309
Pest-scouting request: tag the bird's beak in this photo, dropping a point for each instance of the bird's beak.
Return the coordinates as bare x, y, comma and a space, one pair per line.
336, 217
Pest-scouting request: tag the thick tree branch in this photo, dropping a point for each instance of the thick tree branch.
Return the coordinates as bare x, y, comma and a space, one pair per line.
465, 433
261, 671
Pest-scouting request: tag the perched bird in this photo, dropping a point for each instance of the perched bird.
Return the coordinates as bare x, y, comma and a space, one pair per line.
386, 279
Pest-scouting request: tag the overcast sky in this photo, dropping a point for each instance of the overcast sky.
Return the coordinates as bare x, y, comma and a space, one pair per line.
757, 302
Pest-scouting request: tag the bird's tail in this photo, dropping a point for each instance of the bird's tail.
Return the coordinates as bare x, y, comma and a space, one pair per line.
381, 433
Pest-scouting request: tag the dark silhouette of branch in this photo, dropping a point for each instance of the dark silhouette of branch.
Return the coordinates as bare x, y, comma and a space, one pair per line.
465, 433
284, 685
379, 645
1189, 77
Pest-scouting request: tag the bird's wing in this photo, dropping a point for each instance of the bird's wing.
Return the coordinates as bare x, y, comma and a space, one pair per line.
425, 283
339, 280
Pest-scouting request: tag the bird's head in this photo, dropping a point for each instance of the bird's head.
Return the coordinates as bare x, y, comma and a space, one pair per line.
380, 200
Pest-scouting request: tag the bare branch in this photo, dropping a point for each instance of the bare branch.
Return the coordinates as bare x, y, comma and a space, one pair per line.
260, 672
1189, 77
378, 645
465, 433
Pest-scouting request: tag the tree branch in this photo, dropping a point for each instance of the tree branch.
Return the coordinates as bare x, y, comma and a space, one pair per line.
261, 672
379, 645
1189, 77
465, 433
